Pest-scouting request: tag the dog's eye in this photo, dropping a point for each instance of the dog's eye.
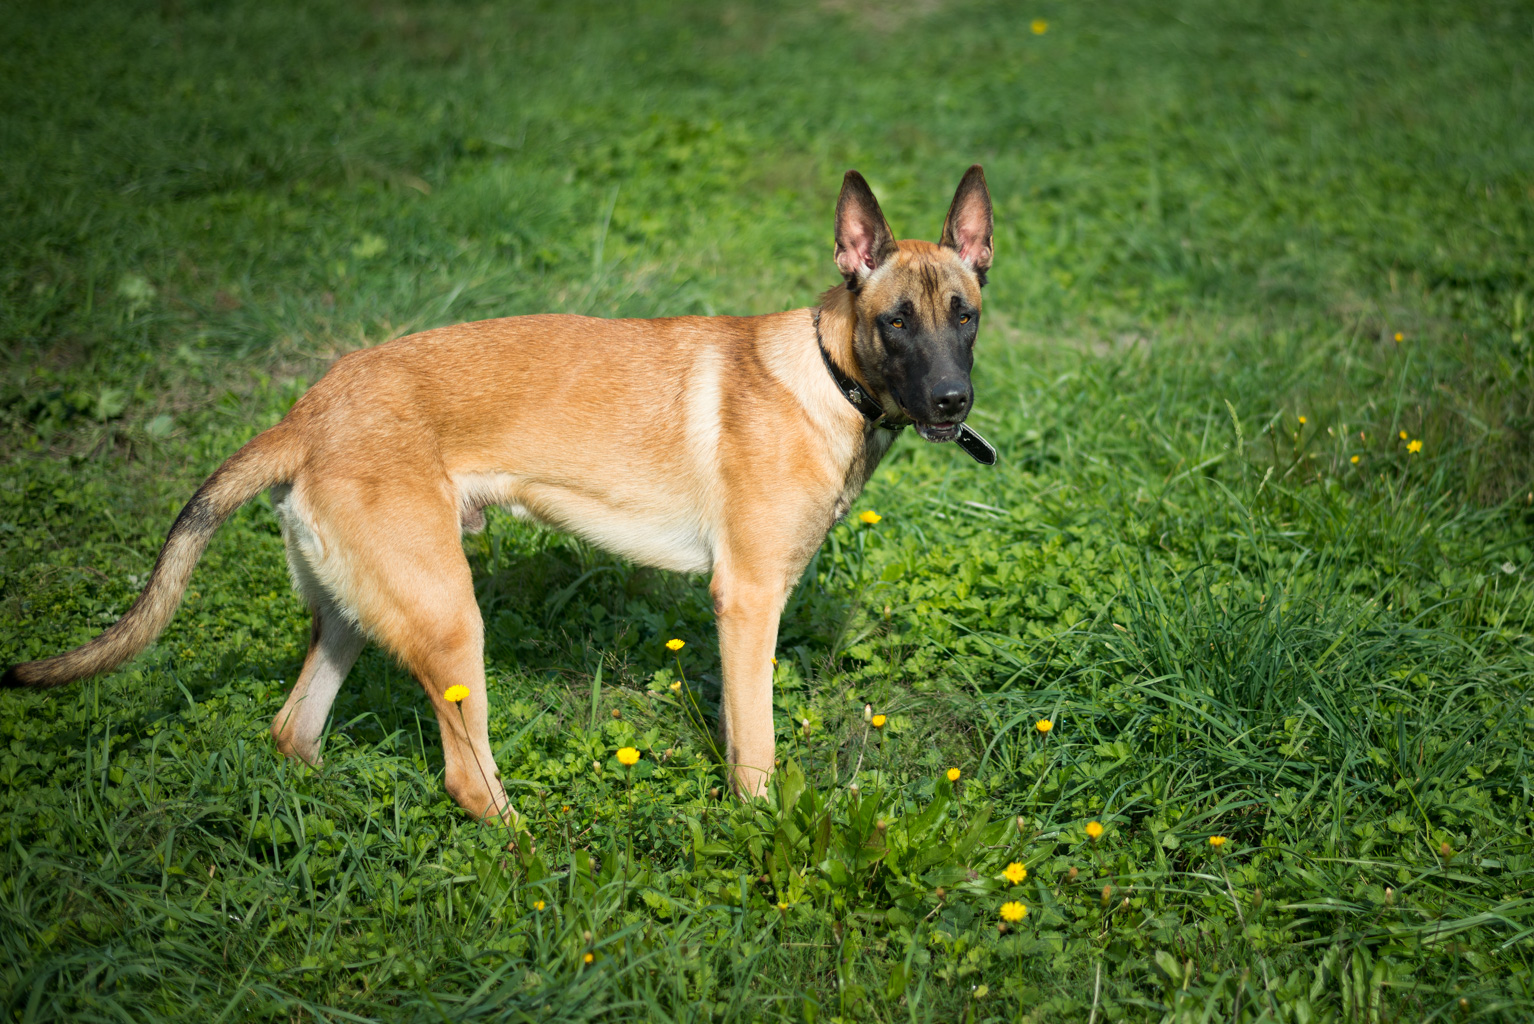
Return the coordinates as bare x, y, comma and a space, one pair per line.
964, 319
897, 322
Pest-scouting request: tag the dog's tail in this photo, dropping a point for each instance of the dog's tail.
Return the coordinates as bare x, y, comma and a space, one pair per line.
270, 458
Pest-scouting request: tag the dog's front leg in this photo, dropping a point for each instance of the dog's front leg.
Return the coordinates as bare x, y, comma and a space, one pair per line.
747, 610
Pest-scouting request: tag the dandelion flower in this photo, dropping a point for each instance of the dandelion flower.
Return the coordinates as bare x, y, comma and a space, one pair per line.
675, 645
1354, 460
455, 693
783, 907
1043, 725
676, 686
878, 721
774, 661
1218, 842
953, 774
1039, 26
1094, 830
538, 905
588, 958
870, 517
1303, 421
1013, 911
1400, 337
628, 756
1015, 873
1403, 435
1414, 447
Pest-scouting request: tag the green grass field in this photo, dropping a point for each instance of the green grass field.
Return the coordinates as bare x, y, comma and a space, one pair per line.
1258, 360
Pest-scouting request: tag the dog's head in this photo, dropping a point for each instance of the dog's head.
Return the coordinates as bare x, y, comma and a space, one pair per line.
917, 305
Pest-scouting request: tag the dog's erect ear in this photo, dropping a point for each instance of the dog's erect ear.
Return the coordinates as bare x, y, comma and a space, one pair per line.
863, 237
967, 231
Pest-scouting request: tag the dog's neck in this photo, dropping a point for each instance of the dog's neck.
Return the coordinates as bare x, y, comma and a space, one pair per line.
836, 324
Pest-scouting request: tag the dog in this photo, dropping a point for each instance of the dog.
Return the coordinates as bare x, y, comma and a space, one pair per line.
728, 445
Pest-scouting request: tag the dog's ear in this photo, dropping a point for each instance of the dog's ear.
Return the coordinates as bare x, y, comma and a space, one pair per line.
863, 237
967, 231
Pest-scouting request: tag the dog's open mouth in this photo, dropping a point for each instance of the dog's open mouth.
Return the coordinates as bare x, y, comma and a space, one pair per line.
938, 432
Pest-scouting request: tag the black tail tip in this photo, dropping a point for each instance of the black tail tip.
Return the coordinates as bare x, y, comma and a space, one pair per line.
12, 679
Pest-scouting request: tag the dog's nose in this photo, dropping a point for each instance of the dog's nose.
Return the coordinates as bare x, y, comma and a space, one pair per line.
950, 399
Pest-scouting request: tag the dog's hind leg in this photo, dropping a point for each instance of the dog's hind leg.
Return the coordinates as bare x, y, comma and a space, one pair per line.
334, 644
398, 546
450, 656
439, 635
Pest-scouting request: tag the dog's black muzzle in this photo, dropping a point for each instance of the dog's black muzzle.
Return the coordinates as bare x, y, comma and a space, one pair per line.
941, 408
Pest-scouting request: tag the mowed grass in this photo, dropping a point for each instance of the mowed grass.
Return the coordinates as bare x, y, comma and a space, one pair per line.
1260, 548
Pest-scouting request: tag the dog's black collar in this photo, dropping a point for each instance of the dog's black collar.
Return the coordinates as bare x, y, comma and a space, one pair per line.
975, 446
853, 392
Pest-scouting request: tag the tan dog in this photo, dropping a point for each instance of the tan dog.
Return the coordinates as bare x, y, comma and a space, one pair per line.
723, 444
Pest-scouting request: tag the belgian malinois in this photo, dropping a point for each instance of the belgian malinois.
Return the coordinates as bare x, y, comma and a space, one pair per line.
722, 444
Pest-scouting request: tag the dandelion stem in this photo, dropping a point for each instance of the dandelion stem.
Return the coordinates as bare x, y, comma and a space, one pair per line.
1262, 961
861, 746
694, 713
500, 812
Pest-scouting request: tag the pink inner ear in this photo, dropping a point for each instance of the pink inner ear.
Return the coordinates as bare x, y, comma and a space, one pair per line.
857, 242
970, 233
861, 241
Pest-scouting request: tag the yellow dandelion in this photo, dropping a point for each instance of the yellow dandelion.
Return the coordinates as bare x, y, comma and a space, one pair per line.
1354, 460
588, 958
1414, 447
878, 721
1039, 26
1218, 842
1094, 830
1043, 725
676, 686
1303, 421
538, 905
628, 756
782, 907
1403, 435
774, 661
870, 517
1400, 337
1015, 873
953, 774
1013, 911
675, 645
455, 693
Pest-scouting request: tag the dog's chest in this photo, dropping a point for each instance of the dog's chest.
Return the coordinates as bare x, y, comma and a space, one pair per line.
864, 461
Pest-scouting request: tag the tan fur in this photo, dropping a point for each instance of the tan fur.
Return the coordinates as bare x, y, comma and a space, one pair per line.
698, 444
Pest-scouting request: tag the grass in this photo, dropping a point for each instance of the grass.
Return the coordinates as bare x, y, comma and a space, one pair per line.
1213, 220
